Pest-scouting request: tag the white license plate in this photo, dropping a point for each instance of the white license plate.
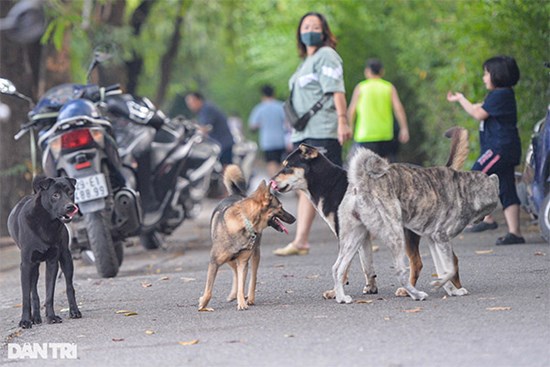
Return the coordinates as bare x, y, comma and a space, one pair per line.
90, 188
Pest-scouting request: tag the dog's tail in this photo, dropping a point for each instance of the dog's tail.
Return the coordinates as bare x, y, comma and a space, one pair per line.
459, 147
365, 165
234, 181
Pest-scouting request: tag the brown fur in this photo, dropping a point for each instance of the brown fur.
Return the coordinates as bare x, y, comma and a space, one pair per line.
236, 229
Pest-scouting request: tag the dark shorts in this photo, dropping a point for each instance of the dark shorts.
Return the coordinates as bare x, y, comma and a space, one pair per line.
385, 149
275, 155
226, 156
490, 163
329, 147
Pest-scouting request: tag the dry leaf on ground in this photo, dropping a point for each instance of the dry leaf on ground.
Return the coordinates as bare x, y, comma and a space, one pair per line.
191, 342
131, 313
206, 309
367, 301
122, 311
165, 278
540, 253
413, 310
118, 339
146, 284
149, 332
484, 252
186, 280
314, 276
500, 308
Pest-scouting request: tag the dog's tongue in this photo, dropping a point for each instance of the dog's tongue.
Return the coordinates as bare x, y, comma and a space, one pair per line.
273, 185
280, 224
72, 214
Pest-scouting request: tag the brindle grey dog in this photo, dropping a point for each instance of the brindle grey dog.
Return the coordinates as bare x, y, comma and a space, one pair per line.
436, 203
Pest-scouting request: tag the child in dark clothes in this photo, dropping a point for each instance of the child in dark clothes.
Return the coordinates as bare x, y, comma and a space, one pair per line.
499, 140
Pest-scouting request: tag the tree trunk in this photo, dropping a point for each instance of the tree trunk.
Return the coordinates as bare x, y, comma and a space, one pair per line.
18, 63
171, 53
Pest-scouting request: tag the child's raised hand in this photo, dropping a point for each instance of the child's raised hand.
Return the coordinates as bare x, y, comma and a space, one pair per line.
454, 97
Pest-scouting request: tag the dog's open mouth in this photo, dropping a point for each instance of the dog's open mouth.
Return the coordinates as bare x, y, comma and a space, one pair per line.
277, 224
67, 217
278, 188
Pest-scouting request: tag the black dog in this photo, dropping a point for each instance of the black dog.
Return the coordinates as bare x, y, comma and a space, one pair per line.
37, 224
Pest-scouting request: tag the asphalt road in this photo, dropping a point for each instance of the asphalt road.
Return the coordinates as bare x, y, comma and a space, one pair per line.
504, 321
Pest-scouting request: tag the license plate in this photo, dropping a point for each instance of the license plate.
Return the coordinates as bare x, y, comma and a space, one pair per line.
90, 188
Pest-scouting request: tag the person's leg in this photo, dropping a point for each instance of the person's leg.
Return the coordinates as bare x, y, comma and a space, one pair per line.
511, 214
510, 202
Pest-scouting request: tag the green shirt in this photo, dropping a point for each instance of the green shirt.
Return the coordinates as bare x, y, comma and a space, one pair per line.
318, 74
374, 111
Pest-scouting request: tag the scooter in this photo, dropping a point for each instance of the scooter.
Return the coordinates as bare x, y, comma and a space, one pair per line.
176, 158
534, 183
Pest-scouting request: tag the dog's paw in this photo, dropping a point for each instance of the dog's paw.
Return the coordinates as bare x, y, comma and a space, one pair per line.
370, 289
231, 297
75, 314
329, 294
25, 324
36, 318
344, 299
242, 307
454, 291
54, 319
436, 284
401, 292
419, 296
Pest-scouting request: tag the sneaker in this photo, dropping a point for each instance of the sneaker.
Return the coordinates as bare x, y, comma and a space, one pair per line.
481, 226
510, 239
290, 250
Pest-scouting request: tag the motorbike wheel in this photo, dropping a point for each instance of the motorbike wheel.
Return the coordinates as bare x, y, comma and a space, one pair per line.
544, 218
101, 242
151, 240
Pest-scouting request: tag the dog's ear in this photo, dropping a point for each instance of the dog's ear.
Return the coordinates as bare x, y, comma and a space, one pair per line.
308, 152
262, 193
72, 181
41, 183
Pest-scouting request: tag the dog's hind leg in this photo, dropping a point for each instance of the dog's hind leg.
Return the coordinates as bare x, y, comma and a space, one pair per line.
27, 269
365, 257
233, 294
455, 288
210, 277
52, 267
352, 235
253, 276
36, 318
412, 241
66, 262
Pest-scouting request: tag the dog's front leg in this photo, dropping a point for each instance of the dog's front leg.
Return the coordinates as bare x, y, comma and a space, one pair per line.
67, 267
52, 267
348, 249
446, 264
251, 298
26, 281
36, 318
242, 270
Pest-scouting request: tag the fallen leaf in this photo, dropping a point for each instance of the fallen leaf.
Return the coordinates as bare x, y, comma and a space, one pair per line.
375, 248
539, 253
234, 341
149, 332
206, 309
288, 275
122, 311
387, 318
187, 280
146, 284
314, 276
367, 301
178, 269
498, 308
289, 335
484, 252
289, 291
118, 339
191, 342
19, 305
131, 313
279, 266
434, 275
413, 310
165, 278
64, 309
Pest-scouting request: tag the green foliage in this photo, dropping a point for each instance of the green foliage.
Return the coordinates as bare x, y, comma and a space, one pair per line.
231, 47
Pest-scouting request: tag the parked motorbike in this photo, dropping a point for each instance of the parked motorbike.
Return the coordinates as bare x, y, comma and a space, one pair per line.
534, 185
77, 141
174, 160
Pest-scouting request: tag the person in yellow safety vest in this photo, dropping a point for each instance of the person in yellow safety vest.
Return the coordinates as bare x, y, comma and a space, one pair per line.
375, 101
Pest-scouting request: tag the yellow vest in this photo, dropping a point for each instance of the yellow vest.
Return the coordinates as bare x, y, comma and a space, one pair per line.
374, 111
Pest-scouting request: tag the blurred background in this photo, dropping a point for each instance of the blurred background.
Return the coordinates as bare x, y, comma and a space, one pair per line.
227, 49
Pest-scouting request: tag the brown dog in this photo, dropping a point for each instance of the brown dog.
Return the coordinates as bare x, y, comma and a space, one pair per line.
236, 230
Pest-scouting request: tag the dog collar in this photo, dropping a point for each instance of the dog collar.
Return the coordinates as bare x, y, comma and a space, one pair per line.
249, 228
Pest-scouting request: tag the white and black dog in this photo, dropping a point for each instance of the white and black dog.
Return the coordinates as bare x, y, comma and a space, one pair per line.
397, 203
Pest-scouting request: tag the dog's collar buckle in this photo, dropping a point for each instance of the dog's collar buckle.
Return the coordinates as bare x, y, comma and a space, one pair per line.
250, 229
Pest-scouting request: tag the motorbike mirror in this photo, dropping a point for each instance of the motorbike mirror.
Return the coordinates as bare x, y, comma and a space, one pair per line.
7, 87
